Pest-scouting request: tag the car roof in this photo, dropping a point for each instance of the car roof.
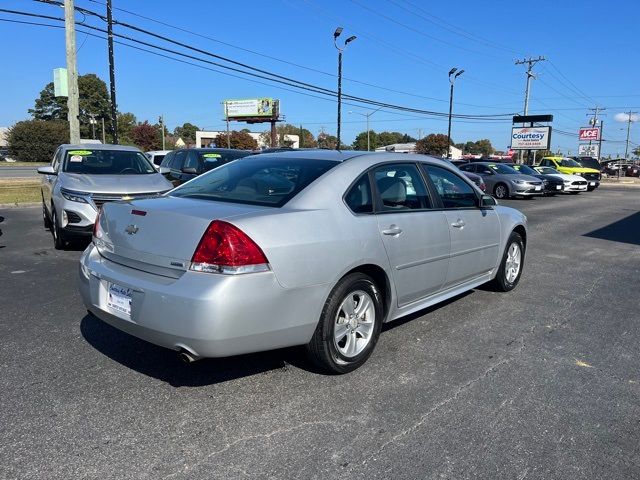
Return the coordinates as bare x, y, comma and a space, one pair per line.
158, 152
316, 154
99, 146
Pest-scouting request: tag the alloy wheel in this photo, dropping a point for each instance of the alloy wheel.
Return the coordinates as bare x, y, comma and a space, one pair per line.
354, 323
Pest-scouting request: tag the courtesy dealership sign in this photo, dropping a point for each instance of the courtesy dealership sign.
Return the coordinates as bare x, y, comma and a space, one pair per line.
530, 138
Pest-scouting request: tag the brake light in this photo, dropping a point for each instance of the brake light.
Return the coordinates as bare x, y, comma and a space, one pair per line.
97, 228
226, 249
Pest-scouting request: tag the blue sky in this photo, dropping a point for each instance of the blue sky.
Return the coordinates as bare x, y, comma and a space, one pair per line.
404, 50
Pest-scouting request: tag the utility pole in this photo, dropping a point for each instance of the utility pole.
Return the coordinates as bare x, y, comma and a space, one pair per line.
626, 150
600, 141
161, 120
594, 123
112, 75
104, 138
226, 115
530, 62
72, 72
301, 141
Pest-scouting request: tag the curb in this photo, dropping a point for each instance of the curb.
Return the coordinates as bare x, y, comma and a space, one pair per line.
621, 184
20, 205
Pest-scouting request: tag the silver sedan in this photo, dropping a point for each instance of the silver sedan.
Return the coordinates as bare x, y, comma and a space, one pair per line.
315, 248
504, 181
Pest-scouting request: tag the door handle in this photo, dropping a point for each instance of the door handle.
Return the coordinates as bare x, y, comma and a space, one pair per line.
459, 223
392, 230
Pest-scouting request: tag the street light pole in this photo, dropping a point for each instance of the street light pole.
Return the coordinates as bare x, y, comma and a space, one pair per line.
452, 80
336, 34
367, 115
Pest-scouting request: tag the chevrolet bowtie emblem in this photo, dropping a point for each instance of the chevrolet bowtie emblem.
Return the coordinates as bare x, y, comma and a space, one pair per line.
131, 229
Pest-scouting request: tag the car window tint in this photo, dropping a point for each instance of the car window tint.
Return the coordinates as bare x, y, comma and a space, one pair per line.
192, 161
178, 160
358, 198
469, 167
453, 190
157, 159
401, 187
256, 181
166, 161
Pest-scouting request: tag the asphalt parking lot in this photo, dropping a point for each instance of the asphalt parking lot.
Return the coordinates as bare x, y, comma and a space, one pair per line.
543, 382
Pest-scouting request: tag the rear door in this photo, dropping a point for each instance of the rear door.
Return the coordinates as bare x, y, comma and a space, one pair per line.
474, 231
415, 235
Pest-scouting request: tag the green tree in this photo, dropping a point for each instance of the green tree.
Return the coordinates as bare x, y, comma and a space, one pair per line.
36, 140
360, 143
484, 147
126, 123
146, 136
186, 132
306, 138
636, 152
389, 138
326, 141
238, 140
433, 144
93, 101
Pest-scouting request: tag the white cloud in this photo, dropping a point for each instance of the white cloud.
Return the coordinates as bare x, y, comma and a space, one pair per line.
624, 117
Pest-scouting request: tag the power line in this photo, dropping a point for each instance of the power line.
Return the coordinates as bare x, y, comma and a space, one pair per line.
264, 74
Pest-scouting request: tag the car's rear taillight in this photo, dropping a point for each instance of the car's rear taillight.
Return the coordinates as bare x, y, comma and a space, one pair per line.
226, 249
97, 228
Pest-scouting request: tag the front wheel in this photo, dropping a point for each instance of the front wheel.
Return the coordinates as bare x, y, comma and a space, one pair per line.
501, 191
45, 218
56, 231
349, 326
510, 269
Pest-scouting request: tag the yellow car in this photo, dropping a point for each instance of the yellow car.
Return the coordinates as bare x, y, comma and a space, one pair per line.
571, 167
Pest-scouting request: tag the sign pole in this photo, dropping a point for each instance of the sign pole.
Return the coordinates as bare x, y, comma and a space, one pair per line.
600, 141
226, 114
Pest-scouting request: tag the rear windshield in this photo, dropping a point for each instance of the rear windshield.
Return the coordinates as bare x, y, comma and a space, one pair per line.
255, 181
106, 162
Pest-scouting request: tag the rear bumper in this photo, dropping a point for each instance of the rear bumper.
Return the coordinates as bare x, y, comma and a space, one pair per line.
207, 314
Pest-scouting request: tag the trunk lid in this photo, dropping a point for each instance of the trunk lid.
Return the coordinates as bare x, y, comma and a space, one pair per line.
160, 235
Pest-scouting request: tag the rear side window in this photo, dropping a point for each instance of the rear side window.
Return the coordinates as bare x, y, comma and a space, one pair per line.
157, 159
452, 189
178, 160
256, 181
400, 187
166, 161
358, 198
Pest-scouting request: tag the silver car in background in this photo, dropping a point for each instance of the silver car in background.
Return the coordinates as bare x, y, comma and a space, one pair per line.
83, 177
313, 247
504, 181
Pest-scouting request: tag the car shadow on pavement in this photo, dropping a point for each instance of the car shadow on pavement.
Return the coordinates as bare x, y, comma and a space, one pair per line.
420, 313
626, 230
165, 365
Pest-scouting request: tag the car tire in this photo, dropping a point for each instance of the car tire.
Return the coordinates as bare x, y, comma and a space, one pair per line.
590, 189
56, 231
507, 278
501, 191
45, 217
343, 340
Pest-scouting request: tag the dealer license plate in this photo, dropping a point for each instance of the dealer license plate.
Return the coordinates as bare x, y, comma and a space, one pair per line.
593, 184
538, 188
558, 187
119, 298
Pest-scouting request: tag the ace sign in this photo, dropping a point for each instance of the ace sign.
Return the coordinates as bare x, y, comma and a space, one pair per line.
588, 134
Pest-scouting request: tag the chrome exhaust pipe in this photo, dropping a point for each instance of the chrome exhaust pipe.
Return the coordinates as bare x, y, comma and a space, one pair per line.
188, 357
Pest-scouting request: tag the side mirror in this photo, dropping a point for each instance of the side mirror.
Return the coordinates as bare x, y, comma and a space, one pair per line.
488, 201
48, 170
190, 170
164, 170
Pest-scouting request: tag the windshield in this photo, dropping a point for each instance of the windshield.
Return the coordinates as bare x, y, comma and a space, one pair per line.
502, 169
106, 162
255, 181
548, 171
567, 162
526, 169
590, 163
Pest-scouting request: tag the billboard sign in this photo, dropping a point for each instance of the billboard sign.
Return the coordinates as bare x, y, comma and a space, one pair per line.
588, 134
587, 150
250, 108
530, 138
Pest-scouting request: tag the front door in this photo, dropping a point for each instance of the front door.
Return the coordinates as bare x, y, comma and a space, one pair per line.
415, 236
